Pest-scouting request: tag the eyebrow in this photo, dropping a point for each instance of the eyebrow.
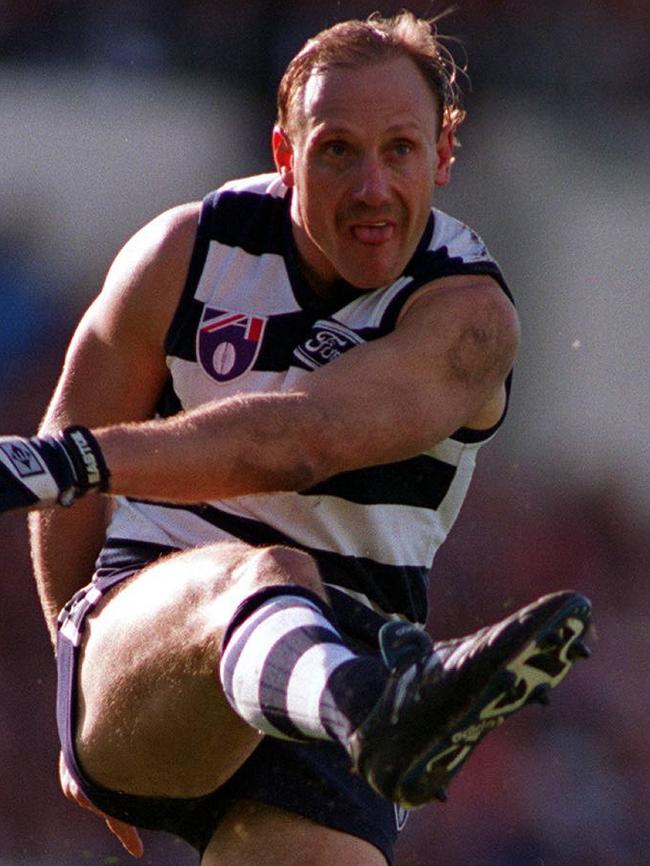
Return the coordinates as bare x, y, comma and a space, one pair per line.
402, 127
395, 129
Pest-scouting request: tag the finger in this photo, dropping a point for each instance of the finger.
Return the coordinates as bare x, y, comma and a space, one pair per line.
65, 779
128, 836
71, 789
77, 795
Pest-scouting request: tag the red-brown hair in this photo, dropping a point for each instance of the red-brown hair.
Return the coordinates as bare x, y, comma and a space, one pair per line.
377, 39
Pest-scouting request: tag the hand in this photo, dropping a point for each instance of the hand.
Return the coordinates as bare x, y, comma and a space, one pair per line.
128, 835
49, 470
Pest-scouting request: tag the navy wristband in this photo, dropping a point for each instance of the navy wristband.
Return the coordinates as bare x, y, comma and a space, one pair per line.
87, 458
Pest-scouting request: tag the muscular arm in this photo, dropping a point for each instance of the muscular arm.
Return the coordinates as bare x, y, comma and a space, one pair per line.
442, 368
113, 372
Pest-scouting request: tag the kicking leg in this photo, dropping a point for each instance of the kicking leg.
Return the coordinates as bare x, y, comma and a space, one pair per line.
154, 721
152, 718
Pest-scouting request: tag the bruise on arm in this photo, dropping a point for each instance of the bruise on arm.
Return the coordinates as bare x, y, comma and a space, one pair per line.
484, 349
443, 367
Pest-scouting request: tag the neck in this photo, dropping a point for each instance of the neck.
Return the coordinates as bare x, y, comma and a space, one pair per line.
335, 290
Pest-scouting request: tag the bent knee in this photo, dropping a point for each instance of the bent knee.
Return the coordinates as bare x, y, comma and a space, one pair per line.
279, 565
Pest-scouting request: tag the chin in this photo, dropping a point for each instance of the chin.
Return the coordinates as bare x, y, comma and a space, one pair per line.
369, 280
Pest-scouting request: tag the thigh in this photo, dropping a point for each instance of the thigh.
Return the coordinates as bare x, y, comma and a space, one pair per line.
314, 780
256, 834
151, 716
164, 737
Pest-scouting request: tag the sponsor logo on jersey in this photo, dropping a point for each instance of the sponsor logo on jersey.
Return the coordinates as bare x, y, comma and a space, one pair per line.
327, 340
228, 343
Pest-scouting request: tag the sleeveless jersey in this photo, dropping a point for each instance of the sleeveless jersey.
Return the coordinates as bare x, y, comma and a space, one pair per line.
248, 322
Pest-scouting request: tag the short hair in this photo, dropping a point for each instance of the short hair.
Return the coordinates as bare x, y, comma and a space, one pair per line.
377, 39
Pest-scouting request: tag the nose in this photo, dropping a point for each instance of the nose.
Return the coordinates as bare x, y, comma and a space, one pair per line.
372, 187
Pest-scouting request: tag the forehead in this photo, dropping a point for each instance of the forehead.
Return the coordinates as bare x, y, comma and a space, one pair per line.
381, 94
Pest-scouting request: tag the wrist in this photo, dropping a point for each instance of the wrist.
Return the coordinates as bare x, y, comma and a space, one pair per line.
85, 454
50, 469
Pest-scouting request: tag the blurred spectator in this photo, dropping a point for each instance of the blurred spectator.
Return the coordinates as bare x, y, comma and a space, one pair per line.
561, 46
27, 310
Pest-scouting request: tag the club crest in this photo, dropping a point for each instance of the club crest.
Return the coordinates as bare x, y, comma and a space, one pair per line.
228, 343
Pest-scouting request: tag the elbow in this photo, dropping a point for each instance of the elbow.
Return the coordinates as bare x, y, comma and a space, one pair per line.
303, 473
313, 465
297, 467
317, 457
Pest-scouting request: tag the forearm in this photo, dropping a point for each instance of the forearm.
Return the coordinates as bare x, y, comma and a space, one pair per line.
253, 444
383, 402
64, 546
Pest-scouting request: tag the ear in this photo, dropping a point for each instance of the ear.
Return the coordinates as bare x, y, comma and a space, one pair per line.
445, 153
283, 155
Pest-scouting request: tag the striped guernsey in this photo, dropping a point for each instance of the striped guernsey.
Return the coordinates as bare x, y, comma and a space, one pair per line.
248, 322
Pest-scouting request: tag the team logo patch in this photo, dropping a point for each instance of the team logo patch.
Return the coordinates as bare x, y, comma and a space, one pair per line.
328, 340
228, 343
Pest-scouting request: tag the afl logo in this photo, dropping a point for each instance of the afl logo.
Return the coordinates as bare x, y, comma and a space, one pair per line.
224, 358
228, 343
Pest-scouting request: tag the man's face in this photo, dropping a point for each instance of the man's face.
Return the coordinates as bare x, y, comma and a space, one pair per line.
362, 162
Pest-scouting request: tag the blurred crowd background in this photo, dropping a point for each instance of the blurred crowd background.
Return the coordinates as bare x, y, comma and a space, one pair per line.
113, 110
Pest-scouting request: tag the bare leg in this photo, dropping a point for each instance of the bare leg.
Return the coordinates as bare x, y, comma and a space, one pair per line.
254, 834
153, 719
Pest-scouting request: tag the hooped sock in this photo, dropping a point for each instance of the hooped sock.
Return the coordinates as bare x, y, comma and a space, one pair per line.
287, 670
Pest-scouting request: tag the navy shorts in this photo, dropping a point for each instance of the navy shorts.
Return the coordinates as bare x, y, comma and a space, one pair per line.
310, 779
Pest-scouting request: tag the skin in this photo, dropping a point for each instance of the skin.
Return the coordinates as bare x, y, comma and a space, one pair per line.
363, 162
363, 169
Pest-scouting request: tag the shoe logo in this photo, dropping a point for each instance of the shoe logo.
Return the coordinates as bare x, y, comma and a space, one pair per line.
401, 691
401, 817
449, 758
473, 733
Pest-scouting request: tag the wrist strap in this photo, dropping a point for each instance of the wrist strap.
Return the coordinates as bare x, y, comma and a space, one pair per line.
87, 458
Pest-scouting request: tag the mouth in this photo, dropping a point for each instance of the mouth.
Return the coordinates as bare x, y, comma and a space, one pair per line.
373, 233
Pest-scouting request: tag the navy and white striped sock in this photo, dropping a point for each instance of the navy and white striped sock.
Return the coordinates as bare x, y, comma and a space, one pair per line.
288, 672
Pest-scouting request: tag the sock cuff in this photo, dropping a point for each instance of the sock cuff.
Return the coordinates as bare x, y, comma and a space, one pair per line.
265, 594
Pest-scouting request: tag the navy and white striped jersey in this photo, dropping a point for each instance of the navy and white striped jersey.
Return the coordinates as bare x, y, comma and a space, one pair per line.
248, 322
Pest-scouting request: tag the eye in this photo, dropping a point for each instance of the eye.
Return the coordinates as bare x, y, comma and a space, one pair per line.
336, 148
403, 148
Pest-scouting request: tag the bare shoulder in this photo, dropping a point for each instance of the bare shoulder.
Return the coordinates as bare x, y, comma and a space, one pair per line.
115, 366
465, 296
150, 270
471, 318
169, 234
468, 329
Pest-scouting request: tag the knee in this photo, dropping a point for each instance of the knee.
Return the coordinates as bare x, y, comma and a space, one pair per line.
277, 566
